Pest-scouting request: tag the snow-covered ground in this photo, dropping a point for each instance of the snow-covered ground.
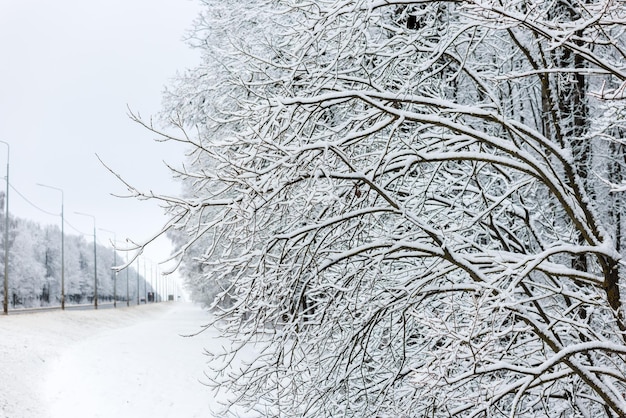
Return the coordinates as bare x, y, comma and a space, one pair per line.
128, 362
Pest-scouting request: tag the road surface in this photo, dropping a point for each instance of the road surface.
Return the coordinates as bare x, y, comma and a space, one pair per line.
130, 362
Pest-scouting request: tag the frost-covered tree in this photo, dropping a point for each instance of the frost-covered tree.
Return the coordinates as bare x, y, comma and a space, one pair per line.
35, 267
403, 202
206, 105
26, 271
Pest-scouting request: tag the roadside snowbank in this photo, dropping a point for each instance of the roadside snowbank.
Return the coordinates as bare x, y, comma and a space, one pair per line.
128, 362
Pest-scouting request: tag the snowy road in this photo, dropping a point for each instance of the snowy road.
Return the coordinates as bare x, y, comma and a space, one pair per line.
117, 363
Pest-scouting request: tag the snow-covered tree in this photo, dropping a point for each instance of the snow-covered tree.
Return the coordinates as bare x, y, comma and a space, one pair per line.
35, 267
403, 203
26, 270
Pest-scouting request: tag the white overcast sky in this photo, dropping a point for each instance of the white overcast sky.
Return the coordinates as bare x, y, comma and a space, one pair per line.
68, 70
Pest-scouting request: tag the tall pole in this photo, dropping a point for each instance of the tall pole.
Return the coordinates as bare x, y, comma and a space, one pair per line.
152, 282
114, 264
137, 280
145, 282
62, 243
115, 279
95, 265
127, 293
5, 303
95, 261
157, 291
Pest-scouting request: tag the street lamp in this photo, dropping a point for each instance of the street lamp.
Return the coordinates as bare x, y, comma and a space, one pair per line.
6, 241
155, 275
137, 280
95, 258
127, 292
156, 281
114, 264
62, 244
145, 283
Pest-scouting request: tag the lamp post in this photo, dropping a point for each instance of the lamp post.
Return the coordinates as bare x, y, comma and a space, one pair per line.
157, 290
127, 292
114, 264
137, 280
95, 260
145, 283
154, 278
62, 243
152, 281
5, 303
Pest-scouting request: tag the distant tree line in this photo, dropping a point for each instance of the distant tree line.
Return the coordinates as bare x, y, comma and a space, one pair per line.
35, 268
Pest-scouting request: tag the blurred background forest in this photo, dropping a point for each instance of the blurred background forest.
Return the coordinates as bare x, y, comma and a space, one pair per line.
34, 268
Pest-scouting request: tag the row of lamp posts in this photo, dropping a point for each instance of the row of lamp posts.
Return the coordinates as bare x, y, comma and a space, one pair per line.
5, 303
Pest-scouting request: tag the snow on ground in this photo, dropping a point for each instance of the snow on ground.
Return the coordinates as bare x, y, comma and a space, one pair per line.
127, 362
